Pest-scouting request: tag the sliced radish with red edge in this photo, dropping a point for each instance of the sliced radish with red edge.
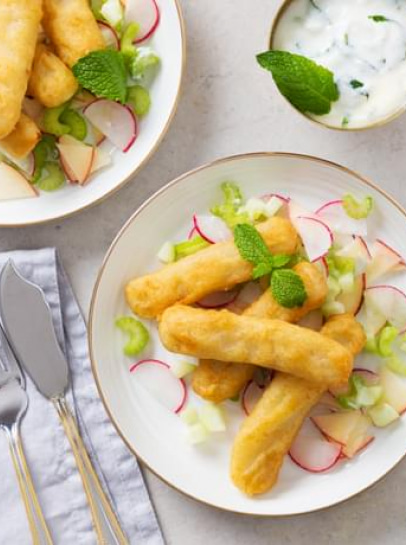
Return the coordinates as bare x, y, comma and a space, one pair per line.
338, 220
211, 228
390, 302
116, 121
316, 236
219, 299
156, 377
251, 394
146, 14
110, 36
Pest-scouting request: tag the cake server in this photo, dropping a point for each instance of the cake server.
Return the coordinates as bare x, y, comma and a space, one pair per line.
28, 325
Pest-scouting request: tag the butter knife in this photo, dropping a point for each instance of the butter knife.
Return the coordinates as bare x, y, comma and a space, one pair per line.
27, 322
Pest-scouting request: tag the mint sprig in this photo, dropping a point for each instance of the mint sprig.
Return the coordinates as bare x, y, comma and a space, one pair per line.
288, 288
103, 73
252, 248
378, 18
308, 86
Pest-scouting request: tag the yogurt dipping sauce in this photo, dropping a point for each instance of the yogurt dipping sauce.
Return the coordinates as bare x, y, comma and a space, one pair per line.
363, 42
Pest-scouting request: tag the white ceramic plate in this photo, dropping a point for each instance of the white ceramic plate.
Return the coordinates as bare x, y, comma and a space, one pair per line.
155, 435
169, 41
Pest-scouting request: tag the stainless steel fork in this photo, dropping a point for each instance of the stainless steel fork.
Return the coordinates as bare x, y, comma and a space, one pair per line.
13, 406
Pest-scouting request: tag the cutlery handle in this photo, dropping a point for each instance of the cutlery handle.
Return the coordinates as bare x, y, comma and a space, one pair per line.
105, 522
38, 526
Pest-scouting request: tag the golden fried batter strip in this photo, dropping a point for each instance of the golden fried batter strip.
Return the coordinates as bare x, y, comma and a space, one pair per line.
218, 267
19, 26
274, 344
267, 434
72, 28
217, 381
51, 82
23, 139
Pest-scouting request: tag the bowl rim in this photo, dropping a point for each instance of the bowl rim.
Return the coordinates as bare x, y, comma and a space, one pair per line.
237, 157
146, 159
373, 125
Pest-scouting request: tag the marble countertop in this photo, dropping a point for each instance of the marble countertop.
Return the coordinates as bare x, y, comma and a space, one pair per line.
230, 106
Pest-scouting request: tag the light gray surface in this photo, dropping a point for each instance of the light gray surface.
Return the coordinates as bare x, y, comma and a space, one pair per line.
229, 105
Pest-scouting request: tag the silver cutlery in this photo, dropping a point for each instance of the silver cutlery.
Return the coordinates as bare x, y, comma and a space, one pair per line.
13, 406
27, 321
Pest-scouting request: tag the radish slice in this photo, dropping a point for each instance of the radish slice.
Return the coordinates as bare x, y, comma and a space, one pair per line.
370, 377
313, 320
219, 299
352, 300
248, 295
394, 390
313, 453
371, 319
316, 236
192, 233
358, 251
250, 396
268, 196
156, 377
390, 302
322, 265
114, 120
385, 260
109, 35
336, 217
146, 14
211, 228
33, 109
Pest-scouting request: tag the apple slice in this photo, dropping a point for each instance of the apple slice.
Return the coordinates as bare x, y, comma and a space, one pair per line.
390, 302
338, 220
394, 390
101, 159
359, 437
338, 426
352, 301
76, 160
13, 185
357, 250
371, 319
384, 260
316, 236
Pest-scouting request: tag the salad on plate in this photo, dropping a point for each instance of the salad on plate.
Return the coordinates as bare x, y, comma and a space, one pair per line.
296, 329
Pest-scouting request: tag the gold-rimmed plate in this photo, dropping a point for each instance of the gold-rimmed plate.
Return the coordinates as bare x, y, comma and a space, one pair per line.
155, 435
169, 41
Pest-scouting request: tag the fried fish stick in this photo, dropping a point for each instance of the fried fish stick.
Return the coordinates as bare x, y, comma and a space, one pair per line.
218, 267
51, 81
274, 344
19, 26
23, 139
218, 380
72, 29
267, 434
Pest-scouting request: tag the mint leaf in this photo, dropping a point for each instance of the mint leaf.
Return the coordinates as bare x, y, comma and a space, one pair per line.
378, 18
288, 288
356, 84
103, 74
281, 260
262, 269
308, 86
251, 245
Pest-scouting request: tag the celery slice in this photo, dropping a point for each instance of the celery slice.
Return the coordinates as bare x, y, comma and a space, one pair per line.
357, 209
77, 125
395, 364
127, 46
385, 340
138, 335
51, 122
54, 179
382, 415
189, 247
228, 210
44, 151
139, 99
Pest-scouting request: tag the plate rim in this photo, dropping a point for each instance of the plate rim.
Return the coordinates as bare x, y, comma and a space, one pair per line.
252, 155
146, 159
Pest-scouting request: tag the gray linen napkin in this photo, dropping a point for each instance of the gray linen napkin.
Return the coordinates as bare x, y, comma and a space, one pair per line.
52, 464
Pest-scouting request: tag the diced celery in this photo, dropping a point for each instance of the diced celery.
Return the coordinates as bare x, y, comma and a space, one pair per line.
77, 125
189, 247
182, 368
334, 288
255, 209
144, 63
385, 340
139, 99
357, 209
368, 396
137, 333
395, 364
167, 253
112, 11
371, 345
189, 416
228, 210
197, 433
383, 414
54, 178
51, 122
44, 151
127, 46
212, 417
